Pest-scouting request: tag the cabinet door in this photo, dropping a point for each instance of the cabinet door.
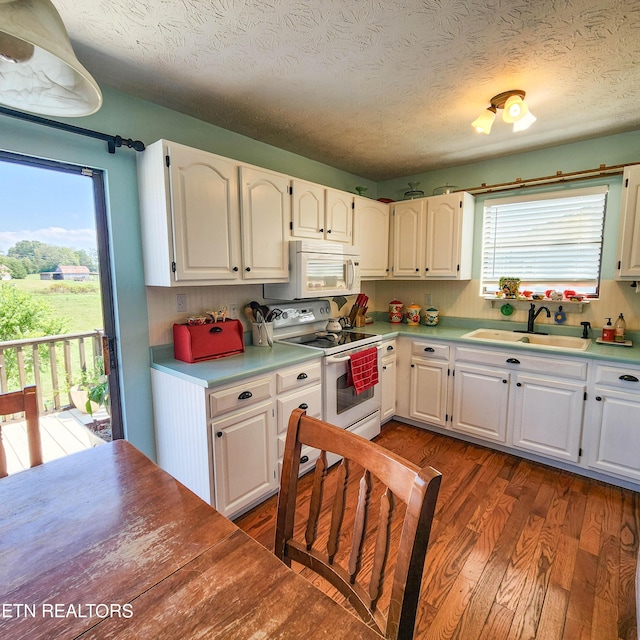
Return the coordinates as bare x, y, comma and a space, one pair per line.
481, 397
204, 209
428, 395
388, 388
338, 216
615, 424
408, 239
307, 210
443, 236
371, 236
244, 447
266, 214
547, 416
629, 237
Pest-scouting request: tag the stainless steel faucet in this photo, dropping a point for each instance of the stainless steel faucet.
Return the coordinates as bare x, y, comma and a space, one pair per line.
533, 314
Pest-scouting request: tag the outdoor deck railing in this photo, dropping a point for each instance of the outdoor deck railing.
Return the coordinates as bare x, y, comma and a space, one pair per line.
52, 363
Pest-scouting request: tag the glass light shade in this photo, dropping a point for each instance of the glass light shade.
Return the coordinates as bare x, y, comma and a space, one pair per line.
514, 109
484, 122
39, 71
525, 122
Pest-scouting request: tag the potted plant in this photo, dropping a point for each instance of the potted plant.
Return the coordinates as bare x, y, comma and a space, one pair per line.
92, 390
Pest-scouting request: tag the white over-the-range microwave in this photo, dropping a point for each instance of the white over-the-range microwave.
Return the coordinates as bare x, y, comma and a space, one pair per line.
318, 268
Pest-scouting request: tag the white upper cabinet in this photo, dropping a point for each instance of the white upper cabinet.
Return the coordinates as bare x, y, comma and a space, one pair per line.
321, 213
371, 236
189, 216
338, 216
307, 209
409, 239
433, 237
629, 238
265, 209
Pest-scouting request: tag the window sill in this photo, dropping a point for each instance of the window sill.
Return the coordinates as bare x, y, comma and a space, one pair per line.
569, 306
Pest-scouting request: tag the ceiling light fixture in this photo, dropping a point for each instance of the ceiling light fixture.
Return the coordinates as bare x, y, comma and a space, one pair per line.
39, 71
514, 108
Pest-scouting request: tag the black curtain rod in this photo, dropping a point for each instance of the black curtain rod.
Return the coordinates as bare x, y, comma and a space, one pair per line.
112, 141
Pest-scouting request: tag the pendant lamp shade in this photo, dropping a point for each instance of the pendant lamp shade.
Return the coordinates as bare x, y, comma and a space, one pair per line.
39, 71
484, 122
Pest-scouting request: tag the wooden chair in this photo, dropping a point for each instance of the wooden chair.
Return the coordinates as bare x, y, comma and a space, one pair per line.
15, 402
416, 487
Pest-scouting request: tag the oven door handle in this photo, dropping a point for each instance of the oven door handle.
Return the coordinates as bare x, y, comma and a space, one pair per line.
338, 359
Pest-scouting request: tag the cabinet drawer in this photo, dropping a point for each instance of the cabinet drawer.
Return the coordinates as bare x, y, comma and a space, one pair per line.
298, 376
389, 348
619, 377
430, 350
308, 456
310, 396
519, 361
239, 396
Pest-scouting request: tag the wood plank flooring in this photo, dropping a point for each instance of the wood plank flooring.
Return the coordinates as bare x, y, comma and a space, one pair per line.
518, 550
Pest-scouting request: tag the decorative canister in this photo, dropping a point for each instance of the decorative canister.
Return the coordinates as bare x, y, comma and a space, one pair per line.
431, 317
395, 311
413, 314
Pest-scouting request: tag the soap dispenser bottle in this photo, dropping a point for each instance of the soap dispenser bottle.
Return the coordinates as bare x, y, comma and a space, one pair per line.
607, 331
619, 329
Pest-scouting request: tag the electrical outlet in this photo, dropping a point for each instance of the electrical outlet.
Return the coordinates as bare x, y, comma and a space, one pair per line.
181, 302
233, 311
427, 300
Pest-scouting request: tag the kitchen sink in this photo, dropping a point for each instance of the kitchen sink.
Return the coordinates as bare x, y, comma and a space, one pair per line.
535, 340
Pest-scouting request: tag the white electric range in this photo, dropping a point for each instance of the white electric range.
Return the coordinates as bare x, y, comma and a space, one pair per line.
304, 323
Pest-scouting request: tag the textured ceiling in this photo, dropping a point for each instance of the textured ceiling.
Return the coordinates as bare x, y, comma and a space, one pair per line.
381, 89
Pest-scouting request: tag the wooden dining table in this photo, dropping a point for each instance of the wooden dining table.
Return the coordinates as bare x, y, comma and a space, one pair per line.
105, 544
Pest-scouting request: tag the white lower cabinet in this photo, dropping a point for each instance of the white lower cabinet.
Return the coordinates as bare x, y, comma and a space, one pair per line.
529, 402
547, 416
481, 399
226, 443
244, 460
428, 395
613, 428
309, 399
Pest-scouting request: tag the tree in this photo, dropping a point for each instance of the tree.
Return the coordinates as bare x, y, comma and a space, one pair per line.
23, 316
17, 267
25, 249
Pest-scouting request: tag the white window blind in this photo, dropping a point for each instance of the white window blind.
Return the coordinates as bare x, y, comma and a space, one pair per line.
550, 240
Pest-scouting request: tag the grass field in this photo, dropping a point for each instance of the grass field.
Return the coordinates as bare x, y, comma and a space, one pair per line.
78, 303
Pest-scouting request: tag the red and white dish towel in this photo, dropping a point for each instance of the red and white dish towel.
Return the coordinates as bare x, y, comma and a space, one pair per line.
362, 369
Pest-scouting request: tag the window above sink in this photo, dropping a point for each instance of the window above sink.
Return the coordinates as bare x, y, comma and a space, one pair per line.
551, 241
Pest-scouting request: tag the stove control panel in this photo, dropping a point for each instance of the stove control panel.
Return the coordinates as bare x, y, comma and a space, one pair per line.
296, 314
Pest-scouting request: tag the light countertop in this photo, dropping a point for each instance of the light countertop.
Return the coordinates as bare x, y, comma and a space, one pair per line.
257, 360
211, 373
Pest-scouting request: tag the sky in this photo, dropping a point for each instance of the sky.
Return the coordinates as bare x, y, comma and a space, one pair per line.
50, 206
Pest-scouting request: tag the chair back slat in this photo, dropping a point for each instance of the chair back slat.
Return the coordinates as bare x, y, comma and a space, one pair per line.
316, 500
362, 511
402, 481
382, 546
337, 512
16, 402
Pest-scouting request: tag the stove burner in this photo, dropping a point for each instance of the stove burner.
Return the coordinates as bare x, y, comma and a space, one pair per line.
323, 340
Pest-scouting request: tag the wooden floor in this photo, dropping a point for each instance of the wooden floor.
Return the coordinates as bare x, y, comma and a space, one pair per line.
518, 549
61, 433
